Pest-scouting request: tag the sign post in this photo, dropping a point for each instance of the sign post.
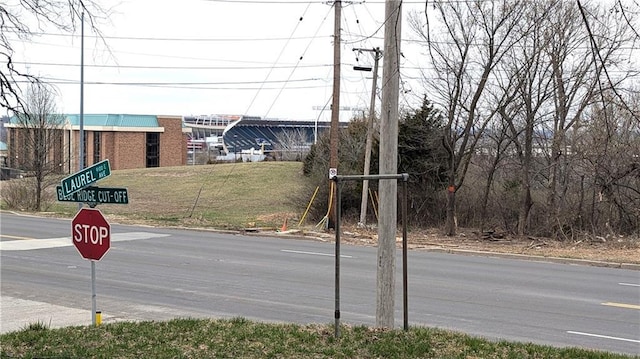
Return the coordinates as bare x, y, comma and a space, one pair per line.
90, 231
91, 234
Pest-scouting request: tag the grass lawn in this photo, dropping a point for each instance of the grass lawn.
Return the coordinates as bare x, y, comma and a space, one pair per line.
240, 338
229, 195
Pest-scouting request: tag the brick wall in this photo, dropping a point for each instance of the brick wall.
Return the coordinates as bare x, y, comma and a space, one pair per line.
173, 143
129, 150
89, 138
123, 149
109, 147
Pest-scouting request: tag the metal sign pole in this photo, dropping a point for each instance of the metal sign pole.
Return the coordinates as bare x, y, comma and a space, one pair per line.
93, 293
405, 276
337, 179
81, 163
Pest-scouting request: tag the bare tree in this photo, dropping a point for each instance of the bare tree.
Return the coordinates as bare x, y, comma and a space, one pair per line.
577, 84
16, 23
529, 99
476, 36
492, 153
629, 11
38, 143
609, 148
293, 144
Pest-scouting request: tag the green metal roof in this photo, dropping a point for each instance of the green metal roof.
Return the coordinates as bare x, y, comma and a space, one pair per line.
113, 120
53, 117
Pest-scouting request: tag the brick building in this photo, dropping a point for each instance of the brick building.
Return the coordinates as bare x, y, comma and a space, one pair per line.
128, 141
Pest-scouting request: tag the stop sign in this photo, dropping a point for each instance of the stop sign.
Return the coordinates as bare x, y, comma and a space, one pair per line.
91, 233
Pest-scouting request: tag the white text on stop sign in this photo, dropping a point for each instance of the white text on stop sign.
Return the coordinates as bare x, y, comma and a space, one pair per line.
90, 234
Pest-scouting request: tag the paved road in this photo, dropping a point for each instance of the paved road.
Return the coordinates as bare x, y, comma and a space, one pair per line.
157, 274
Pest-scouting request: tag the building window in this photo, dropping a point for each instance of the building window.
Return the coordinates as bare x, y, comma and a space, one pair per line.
153, 149
96, 147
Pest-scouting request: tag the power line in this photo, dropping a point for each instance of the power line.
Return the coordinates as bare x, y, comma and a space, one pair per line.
187, 83
276, 61
27, 63
177, 86
255, 2
180, 39
164, 55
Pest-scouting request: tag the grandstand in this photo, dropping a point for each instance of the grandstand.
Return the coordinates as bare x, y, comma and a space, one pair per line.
230, 135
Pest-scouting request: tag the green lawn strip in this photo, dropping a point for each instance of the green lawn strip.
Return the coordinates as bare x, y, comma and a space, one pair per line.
241, 338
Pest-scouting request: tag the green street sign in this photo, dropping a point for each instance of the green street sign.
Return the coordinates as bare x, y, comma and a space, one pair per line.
95, 195
85, 177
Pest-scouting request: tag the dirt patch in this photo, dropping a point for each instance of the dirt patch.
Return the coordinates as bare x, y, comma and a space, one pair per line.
613, 250
280, 217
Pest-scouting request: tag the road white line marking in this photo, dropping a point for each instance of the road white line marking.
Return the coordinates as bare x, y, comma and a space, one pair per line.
621, 305
630, 284
603, 336
14, 237
26, 245
314, 253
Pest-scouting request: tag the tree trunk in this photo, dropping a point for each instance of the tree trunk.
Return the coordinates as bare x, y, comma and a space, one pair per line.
525, 208
552, 205
525, 179
487, 189
38, 194
451, 210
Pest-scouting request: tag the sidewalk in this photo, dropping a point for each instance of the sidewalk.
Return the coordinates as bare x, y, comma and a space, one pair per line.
18, 314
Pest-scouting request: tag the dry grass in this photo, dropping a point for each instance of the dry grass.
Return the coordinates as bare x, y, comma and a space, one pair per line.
615, 250
233, 195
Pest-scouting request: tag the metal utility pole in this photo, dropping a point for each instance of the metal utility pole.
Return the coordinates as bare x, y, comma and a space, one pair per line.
81, 133
335, 114
388, 165
367, 151
81, 163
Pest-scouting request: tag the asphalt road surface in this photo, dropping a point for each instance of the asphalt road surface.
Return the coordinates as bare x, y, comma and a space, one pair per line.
158, 274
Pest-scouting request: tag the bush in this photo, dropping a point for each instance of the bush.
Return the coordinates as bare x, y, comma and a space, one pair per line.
20, 194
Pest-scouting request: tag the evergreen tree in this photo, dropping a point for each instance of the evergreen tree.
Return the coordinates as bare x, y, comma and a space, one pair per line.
423, 156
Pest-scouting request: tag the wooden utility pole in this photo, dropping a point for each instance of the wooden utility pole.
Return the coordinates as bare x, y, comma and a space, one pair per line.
387, 208
368, 144
335, 114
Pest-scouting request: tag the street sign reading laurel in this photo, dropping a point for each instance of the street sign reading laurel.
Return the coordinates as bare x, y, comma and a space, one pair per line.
85, 177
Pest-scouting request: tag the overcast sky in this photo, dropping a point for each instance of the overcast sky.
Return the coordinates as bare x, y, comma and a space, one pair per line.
192, 57
267, 58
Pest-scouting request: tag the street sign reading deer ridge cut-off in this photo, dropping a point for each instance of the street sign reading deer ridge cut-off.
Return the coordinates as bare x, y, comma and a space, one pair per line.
85, 177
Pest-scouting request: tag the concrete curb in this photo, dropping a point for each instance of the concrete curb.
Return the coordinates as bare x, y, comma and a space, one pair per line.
468, 252
630, 266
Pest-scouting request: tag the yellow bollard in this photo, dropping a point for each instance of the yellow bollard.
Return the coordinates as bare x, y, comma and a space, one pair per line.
98, 318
